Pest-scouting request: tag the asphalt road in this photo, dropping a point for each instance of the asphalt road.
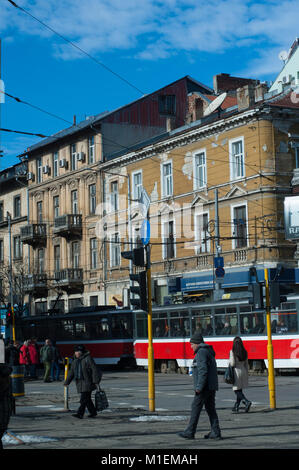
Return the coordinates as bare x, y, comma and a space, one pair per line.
128, 424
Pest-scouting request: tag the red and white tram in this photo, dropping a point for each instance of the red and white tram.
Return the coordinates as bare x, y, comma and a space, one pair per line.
107, 334
219, 323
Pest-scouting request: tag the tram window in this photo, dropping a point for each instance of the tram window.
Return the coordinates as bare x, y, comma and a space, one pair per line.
66, 329
284, 322
121, 326
179, 324
202, 322
160, 325
80, 329
141, 325
252, 323
226, 324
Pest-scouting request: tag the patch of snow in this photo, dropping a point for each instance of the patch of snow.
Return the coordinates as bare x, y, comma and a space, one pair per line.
27, 439
159, 418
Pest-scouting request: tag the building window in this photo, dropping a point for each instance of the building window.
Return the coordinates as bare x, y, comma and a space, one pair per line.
137, 185
239, 227
114, 250
93, 253
91, 150
56, 206
114, 196
55, 164
92, 199
73, 157
39, 172
40, 260
39, 211
201, 233
57, 258
168, 240
1, 211
74, 201
200, 170
237, 162
17, 206
1, 251
17, 247
75, 254
167, 186
167, 104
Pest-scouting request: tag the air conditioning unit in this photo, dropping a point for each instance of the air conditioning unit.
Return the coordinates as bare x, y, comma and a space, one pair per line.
30, 176
81, 156
46, 169
62, 163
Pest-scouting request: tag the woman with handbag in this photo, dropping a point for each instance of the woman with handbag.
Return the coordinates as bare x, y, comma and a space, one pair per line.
84, 370
238, 359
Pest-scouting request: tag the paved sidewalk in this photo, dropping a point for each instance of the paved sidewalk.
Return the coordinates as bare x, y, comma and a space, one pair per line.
41, 415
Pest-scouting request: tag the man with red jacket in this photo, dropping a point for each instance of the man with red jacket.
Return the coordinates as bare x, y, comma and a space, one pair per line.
34, 358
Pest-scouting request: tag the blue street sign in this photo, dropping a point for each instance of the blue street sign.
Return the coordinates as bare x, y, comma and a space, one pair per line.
219, 272
145, 233
218, 262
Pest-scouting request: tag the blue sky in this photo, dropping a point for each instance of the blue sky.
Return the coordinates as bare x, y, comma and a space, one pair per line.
148, 42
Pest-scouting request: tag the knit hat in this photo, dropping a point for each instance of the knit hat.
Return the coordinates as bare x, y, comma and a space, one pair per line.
79, 347
196, 338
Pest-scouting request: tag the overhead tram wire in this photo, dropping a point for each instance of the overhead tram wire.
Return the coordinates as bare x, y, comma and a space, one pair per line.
77, 47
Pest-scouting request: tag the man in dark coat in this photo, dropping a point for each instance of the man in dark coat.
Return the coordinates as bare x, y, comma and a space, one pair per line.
205, 385
84, 371
5, 399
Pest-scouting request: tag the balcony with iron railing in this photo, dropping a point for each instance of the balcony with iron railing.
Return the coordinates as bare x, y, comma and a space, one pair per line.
36, 284
69, 279
68, 226
34, 234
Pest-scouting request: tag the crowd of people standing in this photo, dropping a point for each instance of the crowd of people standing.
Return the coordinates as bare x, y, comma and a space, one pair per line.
32, 358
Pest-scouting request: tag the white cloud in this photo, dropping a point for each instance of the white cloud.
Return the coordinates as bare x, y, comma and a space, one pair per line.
157, 29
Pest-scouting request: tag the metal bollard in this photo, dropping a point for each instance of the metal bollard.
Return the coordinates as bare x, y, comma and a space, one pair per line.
66, 389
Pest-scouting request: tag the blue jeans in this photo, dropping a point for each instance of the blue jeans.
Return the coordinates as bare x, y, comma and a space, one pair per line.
55, 367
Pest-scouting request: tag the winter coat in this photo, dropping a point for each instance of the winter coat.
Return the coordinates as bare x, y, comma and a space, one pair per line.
5, 396
241, 372
46, 354
33, 353
205, 369
85, 373
24, 355
12, 355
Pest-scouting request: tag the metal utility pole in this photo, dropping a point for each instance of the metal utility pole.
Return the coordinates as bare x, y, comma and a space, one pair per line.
150, 354
271, 373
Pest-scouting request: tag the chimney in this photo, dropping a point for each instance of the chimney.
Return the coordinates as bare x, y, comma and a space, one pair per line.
224, 82
260, 91
74, 120
245, 97
195, 108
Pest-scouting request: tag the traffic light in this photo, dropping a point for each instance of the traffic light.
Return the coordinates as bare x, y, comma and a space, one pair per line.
278, 293
136, 255
9, 315
257, 299
140, 290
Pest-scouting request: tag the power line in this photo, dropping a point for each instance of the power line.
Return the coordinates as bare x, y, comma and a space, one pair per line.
22, 132
77, 47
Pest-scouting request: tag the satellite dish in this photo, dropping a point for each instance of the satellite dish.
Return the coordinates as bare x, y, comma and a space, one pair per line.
215, 104
283, 55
